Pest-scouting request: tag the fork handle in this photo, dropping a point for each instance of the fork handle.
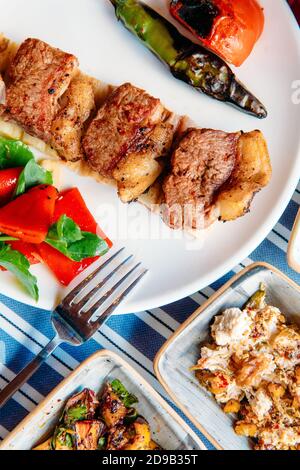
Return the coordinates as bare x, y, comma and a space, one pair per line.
28, 371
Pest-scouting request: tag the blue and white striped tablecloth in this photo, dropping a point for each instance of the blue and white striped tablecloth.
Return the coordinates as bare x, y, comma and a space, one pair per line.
25, 330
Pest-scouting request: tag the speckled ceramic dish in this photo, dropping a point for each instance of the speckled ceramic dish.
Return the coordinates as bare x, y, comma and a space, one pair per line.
181, 352
168, 429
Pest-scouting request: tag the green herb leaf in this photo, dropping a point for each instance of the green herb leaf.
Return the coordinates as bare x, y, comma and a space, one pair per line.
13, 153
32, 175
77, 413
102, 443
5, 238
18, 264
67, 237
127, 398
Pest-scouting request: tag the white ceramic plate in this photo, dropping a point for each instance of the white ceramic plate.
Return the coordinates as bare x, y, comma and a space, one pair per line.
172, 363
168, 429
178, 267
294, 246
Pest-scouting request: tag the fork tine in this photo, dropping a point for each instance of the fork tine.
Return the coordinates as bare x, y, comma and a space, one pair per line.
90, 295
103, 317
93, 309
71, 296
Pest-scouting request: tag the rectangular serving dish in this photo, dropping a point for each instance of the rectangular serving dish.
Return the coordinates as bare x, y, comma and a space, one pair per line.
173, 362
168, 429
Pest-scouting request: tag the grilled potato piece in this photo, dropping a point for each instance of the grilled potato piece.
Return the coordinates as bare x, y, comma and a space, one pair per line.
112, 408
118, 437
47, 445
141, 439
253, 172
88, 434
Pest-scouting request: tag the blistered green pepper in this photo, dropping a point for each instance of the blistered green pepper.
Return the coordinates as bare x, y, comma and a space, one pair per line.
187, 61
257, 300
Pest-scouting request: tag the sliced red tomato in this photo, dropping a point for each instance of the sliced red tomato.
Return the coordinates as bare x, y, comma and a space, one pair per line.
71, 204
230, 28
8, 182
30, 216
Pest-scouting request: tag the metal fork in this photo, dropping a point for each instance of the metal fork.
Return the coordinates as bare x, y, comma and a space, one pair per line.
73, 323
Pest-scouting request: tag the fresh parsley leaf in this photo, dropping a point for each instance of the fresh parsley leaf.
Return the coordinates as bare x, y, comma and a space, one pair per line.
13, 153
67, 237
32, 175
127, 398
16, 263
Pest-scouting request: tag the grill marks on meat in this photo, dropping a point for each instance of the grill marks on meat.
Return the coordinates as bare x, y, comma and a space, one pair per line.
122, 125
75, 109
37, 78
203, 161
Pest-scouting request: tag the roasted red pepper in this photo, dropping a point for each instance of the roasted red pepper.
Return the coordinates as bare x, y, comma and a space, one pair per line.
8, 182
27, 249
72, 205
29, 217
229, 28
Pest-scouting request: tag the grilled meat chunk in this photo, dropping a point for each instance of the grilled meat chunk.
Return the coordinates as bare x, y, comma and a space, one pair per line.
68, 126
118, 437
88, 434
37, 78
132, 129
203, 161
252, 172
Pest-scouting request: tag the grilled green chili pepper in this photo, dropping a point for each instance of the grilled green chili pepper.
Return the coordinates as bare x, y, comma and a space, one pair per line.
257, 299
187, 61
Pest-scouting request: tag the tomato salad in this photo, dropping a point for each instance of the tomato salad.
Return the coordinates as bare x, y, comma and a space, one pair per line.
40, 224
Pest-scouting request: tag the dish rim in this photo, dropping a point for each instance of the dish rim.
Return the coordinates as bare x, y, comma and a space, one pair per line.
197, 313
292, 244
103, 352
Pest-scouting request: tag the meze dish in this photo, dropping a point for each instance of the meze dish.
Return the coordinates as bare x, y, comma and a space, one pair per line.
108, 423
40, 224
127, 138
252, 367
187, 61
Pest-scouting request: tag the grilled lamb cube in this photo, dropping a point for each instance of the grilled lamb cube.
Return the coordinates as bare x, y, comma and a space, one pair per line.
67, 128
37, 78
201, 164
120, 143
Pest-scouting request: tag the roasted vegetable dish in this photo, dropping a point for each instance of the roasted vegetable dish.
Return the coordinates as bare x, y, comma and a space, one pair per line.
187, 61
108, 423
252, 367
229, 28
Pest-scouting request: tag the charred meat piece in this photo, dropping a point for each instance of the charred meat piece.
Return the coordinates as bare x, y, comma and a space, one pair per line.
203, 161
129, 133
80, 407
75, 109
252, 172
112, 407
37, 78
88, 434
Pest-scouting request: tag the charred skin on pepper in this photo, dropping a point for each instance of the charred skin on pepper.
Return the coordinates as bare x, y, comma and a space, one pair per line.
187, 61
